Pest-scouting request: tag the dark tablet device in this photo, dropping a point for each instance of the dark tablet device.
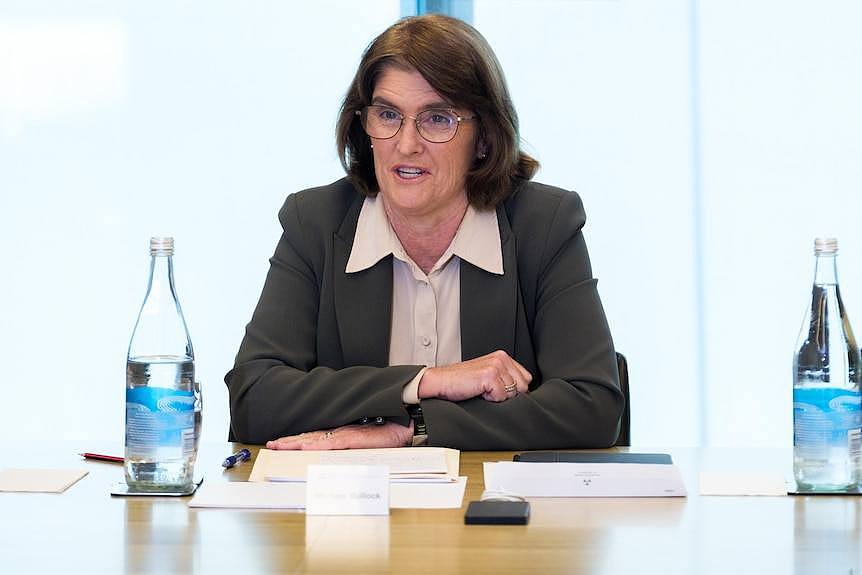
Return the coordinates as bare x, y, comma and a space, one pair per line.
589, 457
497, 513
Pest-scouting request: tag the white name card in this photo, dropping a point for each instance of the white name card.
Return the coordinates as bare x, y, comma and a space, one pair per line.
347, 490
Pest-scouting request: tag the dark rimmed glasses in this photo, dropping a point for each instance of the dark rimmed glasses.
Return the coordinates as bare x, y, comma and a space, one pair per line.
435, 125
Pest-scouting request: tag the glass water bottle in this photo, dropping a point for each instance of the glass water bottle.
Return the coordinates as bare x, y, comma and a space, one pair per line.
163, 404
826, 394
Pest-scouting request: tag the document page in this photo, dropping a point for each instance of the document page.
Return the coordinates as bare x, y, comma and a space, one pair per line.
39, 480
414, 464
246, 495
264, 495
741, 483
584, 479
400, 461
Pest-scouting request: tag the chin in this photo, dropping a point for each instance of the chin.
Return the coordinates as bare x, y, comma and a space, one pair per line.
406, 196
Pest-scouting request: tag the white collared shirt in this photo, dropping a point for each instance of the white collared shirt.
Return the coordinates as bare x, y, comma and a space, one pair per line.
426, 308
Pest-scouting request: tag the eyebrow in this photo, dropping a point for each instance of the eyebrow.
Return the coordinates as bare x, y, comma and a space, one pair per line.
379, 101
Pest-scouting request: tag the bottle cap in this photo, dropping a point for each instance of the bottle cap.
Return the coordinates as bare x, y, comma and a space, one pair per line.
162, 246
825, 246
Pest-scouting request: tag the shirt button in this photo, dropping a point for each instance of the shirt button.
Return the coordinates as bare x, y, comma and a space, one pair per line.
425, 341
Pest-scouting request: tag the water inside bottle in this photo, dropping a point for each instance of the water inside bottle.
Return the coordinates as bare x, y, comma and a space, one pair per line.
159, 465
826, 401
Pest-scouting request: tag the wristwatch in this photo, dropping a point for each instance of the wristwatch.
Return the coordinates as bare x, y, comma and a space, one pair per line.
420, 430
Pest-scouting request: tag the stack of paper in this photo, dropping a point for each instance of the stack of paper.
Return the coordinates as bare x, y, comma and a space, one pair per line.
248, 495
414, 465
420, 478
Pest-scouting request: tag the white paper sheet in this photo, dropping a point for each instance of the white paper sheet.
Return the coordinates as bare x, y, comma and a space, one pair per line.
417, 464
741, 483
268, 495
247, 495
427, 495
398, 460
39, 480
584, 479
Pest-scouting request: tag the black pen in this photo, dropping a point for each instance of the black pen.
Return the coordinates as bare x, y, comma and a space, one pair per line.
237, 457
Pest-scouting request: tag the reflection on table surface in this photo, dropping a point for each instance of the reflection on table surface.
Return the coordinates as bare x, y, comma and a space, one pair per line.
84, 530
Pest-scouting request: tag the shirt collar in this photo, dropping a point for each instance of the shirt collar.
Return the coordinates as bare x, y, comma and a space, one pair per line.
476, 241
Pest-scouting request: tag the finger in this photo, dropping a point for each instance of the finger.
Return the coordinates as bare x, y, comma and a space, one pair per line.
509, 378
283, 443
511, 371
511, 388
496, 396
526, 376
521, 386
520, 376
295, 441
515, 368
497, 392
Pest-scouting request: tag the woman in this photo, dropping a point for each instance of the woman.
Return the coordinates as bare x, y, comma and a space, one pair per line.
434, 296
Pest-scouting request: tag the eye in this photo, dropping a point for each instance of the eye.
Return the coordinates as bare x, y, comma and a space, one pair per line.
387, 115
440, 118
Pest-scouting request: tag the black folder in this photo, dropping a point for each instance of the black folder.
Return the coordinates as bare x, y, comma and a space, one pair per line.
592, 457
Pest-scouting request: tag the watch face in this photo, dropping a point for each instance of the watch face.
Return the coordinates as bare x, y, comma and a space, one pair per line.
419, 440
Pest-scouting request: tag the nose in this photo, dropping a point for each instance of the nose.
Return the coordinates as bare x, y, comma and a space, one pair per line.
409, 140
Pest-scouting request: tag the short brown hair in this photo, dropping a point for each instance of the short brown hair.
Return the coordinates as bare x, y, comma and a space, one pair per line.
459, 64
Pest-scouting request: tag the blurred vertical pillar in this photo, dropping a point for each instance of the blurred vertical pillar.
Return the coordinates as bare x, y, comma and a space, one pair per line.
462, 9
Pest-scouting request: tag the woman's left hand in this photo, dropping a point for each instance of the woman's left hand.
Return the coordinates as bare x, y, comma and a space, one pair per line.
347, 437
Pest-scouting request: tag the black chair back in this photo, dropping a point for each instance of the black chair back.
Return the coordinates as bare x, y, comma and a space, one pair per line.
624, 438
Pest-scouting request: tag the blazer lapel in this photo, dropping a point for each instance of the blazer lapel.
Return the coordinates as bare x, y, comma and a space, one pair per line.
363, 301
489, 301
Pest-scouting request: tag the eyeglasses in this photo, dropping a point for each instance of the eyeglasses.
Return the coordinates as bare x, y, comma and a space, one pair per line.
435, 125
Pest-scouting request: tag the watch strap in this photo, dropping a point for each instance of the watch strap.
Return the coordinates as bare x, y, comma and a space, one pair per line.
420, 430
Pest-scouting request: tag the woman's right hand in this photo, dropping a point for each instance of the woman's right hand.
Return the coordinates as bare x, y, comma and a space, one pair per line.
496, 377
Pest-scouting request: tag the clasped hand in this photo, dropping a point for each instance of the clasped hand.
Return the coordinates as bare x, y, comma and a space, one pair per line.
494, 377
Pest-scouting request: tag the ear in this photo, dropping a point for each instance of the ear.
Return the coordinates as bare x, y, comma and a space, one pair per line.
481, 150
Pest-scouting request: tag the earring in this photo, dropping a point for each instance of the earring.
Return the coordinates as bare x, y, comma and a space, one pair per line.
372, 144
482, 155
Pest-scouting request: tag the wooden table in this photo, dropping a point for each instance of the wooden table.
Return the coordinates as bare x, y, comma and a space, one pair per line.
84, 530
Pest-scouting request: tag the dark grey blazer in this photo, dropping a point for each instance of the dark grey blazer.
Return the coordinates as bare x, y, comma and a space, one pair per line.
316, 350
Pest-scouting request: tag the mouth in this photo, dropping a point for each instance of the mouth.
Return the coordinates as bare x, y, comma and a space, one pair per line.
409, 172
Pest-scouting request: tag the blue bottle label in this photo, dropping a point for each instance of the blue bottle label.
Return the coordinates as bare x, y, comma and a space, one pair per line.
160, 423
826, 418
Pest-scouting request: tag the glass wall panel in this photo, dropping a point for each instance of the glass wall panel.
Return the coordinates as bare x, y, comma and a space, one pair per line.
603, 90
782, 134
121, 120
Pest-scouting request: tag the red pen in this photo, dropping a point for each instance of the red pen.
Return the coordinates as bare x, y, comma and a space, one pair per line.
102, 457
